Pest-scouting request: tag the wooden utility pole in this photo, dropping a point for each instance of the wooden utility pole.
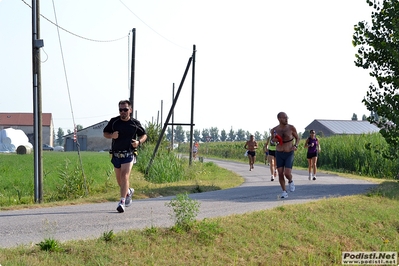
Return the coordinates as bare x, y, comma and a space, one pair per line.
192, 105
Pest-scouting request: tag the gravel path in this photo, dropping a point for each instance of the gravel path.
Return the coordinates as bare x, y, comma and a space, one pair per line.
28, 227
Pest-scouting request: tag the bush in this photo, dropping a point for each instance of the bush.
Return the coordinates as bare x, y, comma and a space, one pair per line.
185, 211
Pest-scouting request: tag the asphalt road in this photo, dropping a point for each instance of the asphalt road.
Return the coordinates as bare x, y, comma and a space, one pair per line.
28, 227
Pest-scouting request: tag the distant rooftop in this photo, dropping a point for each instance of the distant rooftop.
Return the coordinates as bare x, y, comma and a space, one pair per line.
341, 127
22, 119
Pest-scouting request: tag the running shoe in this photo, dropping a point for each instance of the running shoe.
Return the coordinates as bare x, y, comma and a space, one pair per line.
272, 178
284, 195
129, 196
121, 207
292, 186
310, 177
314, 177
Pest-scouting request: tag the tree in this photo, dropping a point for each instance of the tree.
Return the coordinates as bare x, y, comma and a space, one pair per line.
257, 135
188, 136
241, 135
214, 133
179, 134
354, 117
60, 134
196, 134
223, 135
266, 134
378, 52
205, 134
232, 135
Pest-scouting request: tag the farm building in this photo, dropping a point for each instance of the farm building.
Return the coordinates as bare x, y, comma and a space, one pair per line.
90, 139
341, 127
24, 122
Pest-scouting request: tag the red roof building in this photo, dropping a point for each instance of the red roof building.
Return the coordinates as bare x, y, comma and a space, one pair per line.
24, 121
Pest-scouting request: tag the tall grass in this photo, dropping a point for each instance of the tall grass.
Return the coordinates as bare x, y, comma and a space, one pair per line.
343, 153
166, 166
65, 180
349, 154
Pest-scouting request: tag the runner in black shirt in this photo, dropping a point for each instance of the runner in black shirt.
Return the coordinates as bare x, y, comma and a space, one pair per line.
126, 134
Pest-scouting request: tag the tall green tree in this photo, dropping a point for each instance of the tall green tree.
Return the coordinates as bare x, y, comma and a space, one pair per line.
197, 135
232, 135
214, 133
188, 136
60, 134
266, 134
257, 135
241, 136
223, 135
179, 134
205, 134
378, 52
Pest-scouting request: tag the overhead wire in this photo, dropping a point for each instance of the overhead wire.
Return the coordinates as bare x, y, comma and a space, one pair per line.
151, 27
70, 101
94, 40
74, 34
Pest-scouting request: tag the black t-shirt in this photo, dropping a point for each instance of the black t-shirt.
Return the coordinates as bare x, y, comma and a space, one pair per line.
128, 130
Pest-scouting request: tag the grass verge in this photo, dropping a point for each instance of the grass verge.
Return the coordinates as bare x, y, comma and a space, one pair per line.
314, 233
306, 234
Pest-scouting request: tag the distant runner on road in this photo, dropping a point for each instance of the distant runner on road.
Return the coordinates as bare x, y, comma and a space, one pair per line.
251, 145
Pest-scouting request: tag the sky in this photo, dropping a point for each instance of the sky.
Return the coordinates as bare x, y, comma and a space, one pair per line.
254, 59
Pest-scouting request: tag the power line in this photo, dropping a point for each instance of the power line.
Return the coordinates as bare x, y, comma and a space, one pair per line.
74, 34
151, 28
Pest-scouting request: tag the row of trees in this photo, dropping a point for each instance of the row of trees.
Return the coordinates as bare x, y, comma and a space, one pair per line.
212, 135
206, 135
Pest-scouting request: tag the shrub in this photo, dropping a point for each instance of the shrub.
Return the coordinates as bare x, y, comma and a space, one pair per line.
185, 211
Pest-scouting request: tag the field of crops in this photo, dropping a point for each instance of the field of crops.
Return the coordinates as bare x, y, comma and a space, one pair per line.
345, 153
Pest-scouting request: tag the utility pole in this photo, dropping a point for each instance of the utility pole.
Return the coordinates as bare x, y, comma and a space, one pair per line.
133, 69
192, 106
161, 112
37, 43
173, 116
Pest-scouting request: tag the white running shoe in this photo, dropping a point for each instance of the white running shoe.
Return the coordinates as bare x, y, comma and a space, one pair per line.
310, 177
272, 178
121, 207
129, 196
284, 195
292, 186
314, 177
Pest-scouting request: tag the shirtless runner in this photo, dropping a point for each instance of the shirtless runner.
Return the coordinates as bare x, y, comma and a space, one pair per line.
251, 145
288, 135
